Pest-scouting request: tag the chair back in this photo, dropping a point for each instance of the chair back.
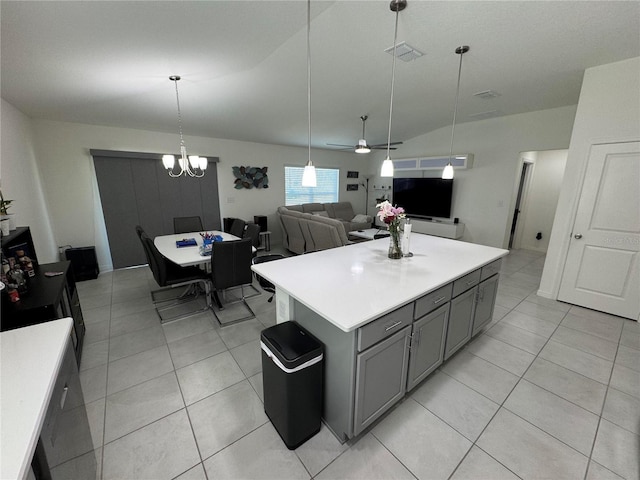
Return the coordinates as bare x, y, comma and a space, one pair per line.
253, 232
140, 232
187, 224
157, 262
237, 227
231, 263
264, 283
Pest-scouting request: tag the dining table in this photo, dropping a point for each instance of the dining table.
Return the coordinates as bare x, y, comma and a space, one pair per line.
188, 255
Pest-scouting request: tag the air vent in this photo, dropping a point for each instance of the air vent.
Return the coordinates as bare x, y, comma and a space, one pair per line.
481, 115
487, 94
405, 52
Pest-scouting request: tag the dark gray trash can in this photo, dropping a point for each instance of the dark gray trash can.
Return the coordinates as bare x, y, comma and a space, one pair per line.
292, 373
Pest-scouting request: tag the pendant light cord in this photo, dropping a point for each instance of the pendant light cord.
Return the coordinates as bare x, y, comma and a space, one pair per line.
455, 108
393, 76
309, 76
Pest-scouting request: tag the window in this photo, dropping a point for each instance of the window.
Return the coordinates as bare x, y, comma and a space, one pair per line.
326, 191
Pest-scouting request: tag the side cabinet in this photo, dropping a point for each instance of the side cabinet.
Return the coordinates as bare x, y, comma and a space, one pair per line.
486, 299
460, 319
427, 345
381, 373
65, 432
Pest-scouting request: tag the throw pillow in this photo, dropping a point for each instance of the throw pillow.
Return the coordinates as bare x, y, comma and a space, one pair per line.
321, 213
360, 218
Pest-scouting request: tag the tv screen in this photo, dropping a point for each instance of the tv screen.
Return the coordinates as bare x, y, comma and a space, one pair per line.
423, 197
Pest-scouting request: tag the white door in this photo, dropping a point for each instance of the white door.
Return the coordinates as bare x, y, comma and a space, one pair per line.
602, 268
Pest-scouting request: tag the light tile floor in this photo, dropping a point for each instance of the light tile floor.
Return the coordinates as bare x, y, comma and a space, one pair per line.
548, 390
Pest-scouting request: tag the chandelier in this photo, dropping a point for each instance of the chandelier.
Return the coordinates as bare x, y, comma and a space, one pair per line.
193, 165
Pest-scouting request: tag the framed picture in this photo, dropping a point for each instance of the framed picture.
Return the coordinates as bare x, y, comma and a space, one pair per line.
352, 187
352, 175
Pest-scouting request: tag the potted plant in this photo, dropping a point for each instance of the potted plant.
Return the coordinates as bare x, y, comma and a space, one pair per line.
4, 215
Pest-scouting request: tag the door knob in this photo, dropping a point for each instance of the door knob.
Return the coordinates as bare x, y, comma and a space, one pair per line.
577, 236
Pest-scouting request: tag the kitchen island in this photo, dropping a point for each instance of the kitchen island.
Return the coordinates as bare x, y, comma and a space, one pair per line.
386, 324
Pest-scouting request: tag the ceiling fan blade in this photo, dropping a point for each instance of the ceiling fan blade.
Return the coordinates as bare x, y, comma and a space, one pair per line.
340, 145
381, 147
384, 144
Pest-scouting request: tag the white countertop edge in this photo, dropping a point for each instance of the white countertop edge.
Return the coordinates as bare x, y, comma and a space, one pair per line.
31, 359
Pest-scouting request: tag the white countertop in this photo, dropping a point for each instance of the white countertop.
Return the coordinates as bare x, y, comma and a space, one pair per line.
30, 361
350, 286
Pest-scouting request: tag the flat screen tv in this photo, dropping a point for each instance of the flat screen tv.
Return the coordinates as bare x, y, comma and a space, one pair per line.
423, 197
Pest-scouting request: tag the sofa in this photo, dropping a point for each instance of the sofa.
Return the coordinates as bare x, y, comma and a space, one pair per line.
318, 226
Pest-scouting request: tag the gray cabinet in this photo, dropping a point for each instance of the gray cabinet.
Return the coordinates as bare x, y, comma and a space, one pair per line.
486, 299
427, 345
460, 320
65, 433
381, 374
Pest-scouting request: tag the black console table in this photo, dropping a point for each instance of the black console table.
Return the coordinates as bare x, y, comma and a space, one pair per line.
48, 298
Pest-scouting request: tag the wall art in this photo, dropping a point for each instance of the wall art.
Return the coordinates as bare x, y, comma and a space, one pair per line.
351, 187
250, 177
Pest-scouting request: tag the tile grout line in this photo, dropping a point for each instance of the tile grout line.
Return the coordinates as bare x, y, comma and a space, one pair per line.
604, 402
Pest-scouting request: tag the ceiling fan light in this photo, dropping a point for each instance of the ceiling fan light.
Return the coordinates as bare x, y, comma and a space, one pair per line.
309, 175
362, 146
447, 173
387, 168
168, 161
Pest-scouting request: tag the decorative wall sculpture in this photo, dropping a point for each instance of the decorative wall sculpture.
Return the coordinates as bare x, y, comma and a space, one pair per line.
250, 177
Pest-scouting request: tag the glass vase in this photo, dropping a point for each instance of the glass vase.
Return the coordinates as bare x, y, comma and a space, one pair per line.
395, 245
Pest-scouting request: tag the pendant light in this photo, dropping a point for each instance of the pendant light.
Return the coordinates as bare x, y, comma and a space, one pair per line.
387, 166
192, 166
447, 173
309, 174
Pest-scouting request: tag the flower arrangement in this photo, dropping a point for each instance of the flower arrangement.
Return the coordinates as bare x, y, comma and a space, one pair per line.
392, 216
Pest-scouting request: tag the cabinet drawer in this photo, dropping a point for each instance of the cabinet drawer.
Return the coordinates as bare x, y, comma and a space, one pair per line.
432, 300
465, 283
490, 269
384, 326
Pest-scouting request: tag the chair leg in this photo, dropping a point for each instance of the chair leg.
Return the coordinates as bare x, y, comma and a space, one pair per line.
234, 321
196, 285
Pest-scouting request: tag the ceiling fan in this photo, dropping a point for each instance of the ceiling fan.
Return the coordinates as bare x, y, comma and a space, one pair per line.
362, 146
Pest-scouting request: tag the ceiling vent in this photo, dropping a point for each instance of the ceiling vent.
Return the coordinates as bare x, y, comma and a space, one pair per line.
481, 115
405, 52
487, 94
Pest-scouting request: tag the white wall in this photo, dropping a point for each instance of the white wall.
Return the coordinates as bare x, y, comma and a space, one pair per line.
538, 212
607, 112
484, 195
21, 181
63, 155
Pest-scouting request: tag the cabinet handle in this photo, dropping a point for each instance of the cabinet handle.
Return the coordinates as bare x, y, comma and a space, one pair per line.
435, 302
470, 282
63, 398
393, 325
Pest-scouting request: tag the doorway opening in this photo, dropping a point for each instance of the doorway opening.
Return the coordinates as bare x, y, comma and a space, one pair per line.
535, 198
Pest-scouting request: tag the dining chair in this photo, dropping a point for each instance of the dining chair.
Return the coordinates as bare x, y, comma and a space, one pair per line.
169, 274
237, 227
231, 267
252, 231
187, 224
265, 284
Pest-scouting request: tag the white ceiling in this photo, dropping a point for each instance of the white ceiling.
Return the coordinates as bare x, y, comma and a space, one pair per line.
243, 63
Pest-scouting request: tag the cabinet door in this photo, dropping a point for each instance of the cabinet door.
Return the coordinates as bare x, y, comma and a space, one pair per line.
381, 375
487, 291
460, 320
427, 345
